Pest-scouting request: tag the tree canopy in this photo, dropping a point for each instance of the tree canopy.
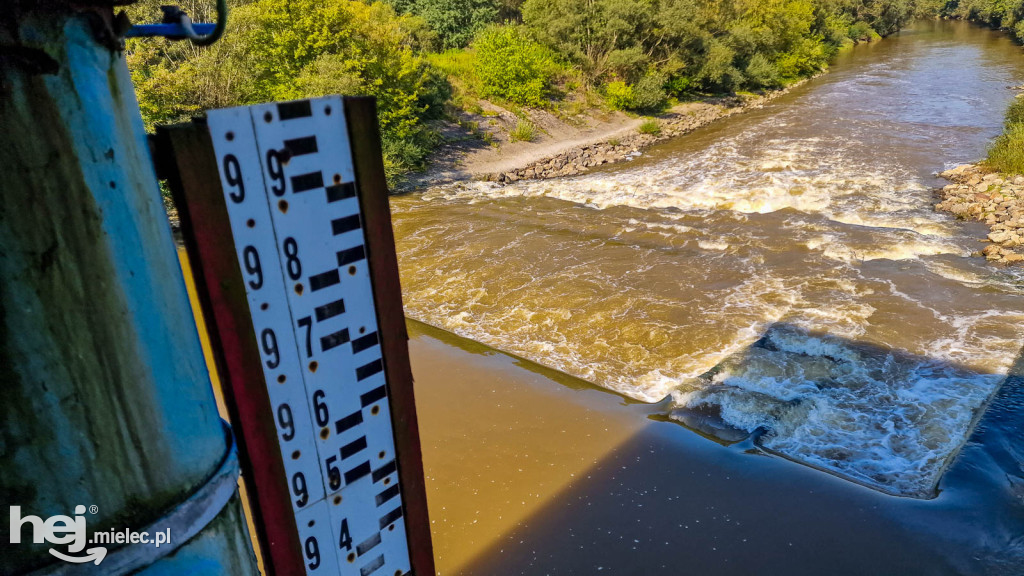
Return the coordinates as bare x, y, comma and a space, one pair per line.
637, 54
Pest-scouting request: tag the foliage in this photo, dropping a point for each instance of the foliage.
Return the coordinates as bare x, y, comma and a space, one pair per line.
886, 16
619, 95
680, 86
525, 131
807, 57
862, 32
709, 44
459, 67
650, 126
1006, 14
1015, 113
718, 71
413, 56
649, 93
512, 66
1007, 152
277, 50
762, 72
455, 22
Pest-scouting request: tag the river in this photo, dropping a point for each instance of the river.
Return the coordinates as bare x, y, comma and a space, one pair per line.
781, 272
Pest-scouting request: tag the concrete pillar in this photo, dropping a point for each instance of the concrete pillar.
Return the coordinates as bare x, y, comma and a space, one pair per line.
105, 399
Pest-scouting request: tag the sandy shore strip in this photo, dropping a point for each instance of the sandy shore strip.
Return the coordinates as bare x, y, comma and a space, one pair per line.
530, 471
564, 150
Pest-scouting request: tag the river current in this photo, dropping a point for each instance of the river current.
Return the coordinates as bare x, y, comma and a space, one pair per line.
782, 272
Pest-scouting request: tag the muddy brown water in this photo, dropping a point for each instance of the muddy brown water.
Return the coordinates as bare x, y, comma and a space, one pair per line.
779, 278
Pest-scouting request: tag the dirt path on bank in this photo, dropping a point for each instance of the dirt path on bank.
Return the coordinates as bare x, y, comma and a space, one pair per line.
479, 146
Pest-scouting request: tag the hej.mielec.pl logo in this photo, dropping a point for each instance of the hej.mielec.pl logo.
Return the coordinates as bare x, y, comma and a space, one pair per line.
70, 531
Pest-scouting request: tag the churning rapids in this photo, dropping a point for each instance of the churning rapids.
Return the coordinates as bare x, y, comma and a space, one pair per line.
782, 272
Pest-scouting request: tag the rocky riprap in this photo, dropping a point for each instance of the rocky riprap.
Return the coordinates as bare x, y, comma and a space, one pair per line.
992, 198
582, 158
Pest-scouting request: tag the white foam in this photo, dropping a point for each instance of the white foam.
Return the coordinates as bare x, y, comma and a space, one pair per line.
643, 279
889, 420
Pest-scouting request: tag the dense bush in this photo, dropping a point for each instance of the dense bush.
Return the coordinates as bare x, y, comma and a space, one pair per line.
619, 95
761, 72
640, 51
649, 93
680, 86
716, 45
455, 22
279, 51
862, 32
511, 66
717, 69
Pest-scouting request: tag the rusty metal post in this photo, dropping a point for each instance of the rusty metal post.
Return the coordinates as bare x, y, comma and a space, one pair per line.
104, 394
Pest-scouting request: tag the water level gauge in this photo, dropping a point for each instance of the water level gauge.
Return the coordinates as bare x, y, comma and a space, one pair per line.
295, 214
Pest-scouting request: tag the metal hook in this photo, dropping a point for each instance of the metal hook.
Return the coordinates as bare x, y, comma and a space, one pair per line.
177, 26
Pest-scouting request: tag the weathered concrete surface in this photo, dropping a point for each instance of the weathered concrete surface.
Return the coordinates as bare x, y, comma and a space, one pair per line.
104, 396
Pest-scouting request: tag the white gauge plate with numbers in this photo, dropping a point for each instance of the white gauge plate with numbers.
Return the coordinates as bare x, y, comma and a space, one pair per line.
289, 185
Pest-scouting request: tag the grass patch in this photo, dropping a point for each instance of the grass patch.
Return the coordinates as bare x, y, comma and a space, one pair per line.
650, 126
1007, 153
460, 68
525, 131
1015, 113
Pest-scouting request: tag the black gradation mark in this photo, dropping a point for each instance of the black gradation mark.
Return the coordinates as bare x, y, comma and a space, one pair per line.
368, 544
364, 342
309, 181
341, 191
334, 340
387, 494
390, 517
346, 224
382, 472
354, 254
348, 422
372, 396
353, 447
357, 473
331, 310
372, 566
364, 372
300, 146
297, 109
324, 279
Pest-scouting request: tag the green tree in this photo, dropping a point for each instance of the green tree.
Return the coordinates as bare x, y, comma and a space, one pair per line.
455, 22
587, 32
281, 50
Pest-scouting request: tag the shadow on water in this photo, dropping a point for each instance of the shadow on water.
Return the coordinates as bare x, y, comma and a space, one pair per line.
674, 503
417, 327
813, 385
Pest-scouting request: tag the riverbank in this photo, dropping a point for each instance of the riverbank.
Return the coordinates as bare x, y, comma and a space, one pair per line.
977, 193
564, 148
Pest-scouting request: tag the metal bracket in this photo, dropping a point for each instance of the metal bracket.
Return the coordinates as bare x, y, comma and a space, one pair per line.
178, 26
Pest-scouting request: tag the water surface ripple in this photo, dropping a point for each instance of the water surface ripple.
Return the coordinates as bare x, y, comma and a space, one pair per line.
783, 271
